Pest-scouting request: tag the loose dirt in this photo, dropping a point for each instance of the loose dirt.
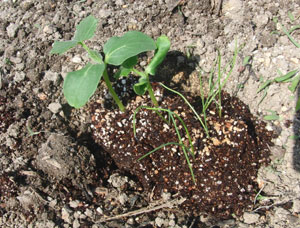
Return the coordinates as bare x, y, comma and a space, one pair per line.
54, 172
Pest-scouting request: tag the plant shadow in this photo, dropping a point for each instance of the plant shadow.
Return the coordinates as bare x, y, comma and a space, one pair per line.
296, 130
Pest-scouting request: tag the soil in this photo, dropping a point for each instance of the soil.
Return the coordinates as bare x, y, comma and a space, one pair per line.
55, 171
237, 145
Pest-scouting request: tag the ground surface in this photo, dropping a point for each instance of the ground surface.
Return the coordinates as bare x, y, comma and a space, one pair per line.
53, 174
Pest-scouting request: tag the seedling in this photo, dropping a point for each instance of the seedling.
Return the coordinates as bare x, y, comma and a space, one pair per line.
122, 51
290, 77
273, 116
171, 116
215, 87
191, 107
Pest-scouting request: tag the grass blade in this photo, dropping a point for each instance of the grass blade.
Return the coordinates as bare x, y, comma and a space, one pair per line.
286, 76
264, 85
293, 86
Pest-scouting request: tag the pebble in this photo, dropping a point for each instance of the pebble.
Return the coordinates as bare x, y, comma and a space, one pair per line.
76, 59
54, 107
76, 223
12, 30
172, 223
65, 215
159, 221
99, 210
88, 213
51, 76
296, 206
123, 198
19, 76
117, 181
250, 218
74, 204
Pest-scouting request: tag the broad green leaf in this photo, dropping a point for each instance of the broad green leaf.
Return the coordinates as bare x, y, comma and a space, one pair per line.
86, 29
80, 85
292, 87
132, 43
60, 47
95, 56
126, 67
286, 76
141, 87
163, 45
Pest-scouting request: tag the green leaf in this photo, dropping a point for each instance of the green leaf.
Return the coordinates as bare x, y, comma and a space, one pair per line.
298, 105
132, 43
163, 45
290, 37
272, 116
80, 85
126, 67
264, 85
291, 16
246, 60
141, 87
95, 56
86, 29
286, 76
292, 87
60, 47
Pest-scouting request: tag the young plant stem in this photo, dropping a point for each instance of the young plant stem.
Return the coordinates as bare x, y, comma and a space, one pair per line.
219, 104
203, 101
106, 79
149, 87
112, 91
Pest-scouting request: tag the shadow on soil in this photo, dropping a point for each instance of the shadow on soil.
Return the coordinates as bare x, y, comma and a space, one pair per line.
296, 129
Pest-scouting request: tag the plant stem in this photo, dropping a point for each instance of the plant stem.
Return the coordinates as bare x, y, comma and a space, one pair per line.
149, 89
151, 93
106, 79
112, 91
219, 85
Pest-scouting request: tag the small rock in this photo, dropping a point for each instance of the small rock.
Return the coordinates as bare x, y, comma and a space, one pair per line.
261, 20
119, 2
104, 13
123, 198
117, 181
250, 218
54, 107
19, 76
76, 59
74, 203
296, 206
65, 215
76, 223
13, 130
53, 203
159, 221
99, 210
12, 30
130, 221
166, 196
51, 76
88, 213
172, 223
